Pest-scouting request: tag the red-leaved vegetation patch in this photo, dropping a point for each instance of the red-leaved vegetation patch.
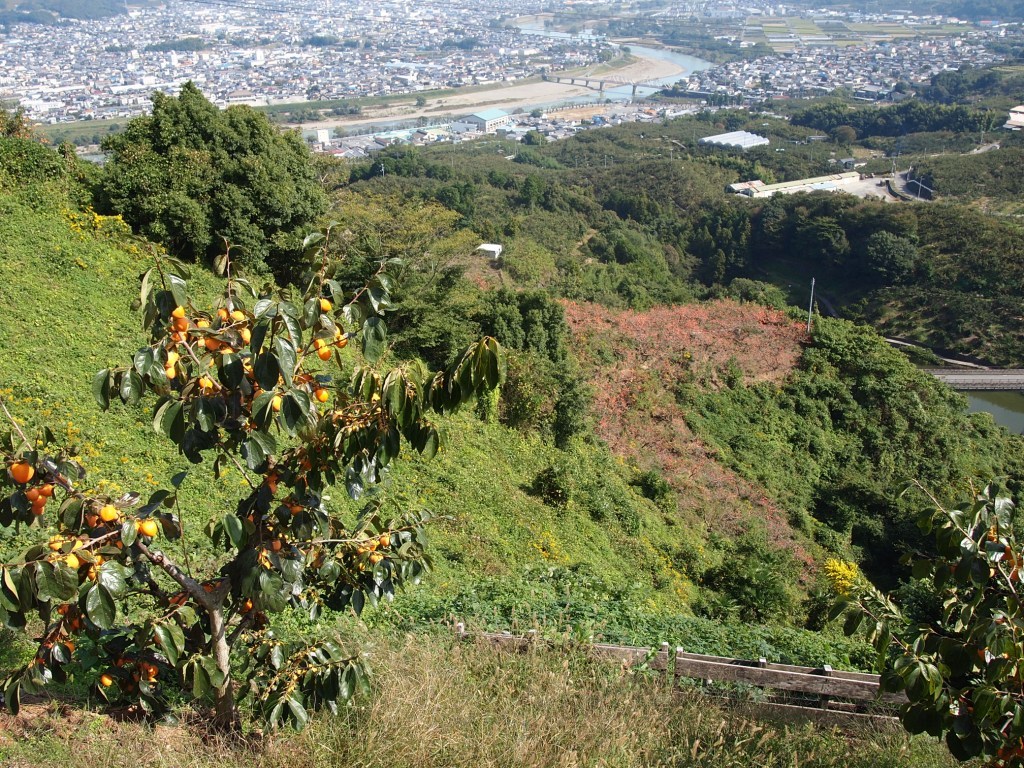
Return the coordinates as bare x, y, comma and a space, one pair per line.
637, 361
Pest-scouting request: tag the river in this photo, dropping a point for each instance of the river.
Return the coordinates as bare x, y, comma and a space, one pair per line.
686, 64
1007, 408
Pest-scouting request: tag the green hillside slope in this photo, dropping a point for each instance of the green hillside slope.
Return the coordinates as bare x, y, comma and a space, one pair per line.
527, 533
67, 280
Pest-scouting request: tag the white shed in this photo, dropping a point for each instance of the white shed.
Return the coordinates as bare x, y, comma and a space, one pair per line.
491, 248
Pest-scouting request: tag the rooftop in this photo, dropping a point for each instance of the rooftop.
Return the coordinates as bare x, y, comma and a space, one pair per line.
742, 139
490, 114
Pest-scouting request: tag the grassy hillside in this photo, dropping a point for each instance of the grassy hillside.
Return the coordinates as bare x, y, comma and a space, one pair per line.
603, 553
987, 179
781, 445
67, 280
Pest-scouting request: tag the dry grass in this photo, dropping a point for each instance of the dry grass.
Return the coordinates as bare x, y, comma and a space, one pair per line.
439, 704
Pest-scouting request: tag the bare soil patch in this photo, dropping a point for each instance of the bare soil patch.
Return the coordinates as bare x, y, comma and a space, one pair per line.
636, 362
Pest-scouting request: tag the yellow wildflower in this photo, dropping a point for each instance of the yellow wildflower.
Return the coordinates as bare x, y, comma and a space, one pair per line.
842, 575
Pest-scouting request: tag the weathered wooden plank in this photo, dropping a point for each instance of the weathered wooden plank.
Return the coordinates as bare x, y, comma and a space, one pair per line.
863, 676
776, 678
829, 717
823, 681
518, 643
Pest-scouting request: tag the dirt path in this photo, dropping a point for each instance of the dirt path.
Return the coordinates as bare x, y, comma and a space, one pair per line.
504, 96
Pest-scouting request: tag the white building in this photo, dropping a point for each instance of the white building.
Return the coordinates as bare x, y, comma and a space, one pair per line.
832, 183
734, 140
487, 121
492, 249
1016, 121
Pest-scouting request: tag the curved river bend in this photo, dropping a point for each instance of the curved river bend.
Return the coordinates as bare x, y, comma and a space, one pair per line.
688, 65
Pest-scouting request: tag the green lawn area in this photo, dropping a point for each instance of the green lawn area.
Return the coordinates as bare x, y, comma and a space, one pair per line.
89, 130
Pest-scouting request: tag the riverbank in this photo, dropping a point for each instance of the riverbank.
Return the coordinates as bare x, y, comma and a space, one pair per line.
507, 96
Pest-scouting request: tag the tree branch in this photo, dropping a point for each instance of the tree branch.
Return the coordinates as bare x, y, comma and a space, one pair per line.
209, 600
14, 423
245, 621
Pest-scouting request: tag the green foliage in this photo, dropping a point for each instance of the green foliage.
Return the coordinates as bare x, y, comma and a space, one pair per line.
890, 257
754, 583
576, 599
960, 671
526, 321
544, 390
652, 485
894, 263
849, 427
432, 306
322, 41
14, 124
910, 116
28, 161
183, 44
968, 84
192, 177
989, 176
743, 289
550, 398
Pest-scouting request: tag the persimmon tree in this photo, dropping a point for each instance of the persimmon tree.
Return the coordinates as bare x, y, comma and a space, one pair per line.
257, 383
963, 670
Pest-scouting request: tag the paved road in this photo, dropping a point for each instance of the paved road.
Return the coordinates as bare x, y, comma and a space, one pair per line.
958, 378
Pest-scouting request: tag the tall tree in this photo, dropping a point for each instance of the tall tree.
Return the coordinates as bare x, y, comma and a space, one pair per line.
192, 176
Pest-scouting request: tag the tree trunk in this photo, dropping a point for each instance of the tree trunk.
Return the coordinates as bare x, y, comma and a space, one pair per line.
224, 700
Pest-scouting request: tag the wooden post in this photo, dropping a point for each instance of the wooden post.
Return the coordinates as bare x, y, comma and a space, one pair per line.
827, 672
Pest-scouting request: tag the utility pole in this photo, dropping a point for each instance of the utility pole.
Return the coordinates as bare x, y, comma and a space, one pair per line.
810, 307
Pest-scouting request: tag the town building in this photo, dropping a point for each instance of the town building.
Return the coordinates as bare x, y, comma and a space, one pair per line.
758, 188
487, 121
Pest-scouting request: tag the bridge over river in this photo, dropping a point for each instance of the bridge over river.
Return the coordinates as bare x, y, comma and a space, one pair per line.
598, 82
1005, 379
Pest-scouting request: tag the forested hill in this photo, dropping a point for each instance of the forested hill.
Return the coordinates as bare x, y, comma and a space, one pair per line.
47, 11
646, 397
574, 220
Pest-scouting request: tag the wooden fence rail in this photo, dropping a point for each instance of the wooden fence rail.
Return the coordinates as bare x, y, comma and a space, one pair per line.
857, 692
